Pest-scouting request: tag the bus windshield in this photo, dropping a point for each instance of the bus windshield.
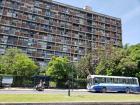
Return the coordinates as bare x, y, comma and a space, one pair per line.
89, 81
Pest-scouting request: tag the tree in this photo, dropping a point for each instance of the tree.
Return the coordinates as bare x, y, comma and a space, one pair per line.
60, 69
84, 66
7, 61
2, 71
122, 61
109, 64
87, 65
128, 65
14, 62
24, 66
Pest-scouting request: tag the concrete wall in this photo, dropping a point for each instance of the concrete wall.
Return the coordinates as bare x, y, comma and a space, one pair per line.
77, 103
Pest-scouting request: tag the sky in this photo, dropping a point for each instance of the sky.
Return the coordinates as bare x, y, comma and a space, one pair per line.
127, 10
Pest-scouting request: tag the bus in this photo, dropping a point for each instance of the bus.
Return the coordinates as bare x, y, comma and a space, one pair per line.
102, 83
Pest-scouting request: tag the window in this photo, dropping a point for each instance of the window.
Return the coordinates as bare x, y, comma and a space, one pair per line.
2, 51
1, 10
15, 5
29, 17
5, 29
36, 10
81, 51
89, 16
12, 40
120, 80
25, 42
30, 42
50, 38
1, 1
3, 39
108, 80
134, 81
15, 14
49, 54
50, 45
48, 13
100, 80
31, 25
58, 54
115, 80
37, 3
48, 6
42, 44
62, 24
65, 48
9, 13
75, 58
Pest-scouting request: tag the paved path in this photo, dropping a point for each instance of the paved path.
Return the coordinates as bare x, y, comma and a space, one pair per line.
50, 91
46, 91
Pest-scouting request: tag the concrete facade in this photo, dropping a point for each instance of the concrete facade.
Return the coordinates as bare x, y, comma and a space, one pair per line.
44, 28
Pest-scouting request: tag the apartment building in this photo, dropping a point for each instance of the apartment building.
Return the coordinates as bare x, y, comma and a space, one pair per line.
44, 28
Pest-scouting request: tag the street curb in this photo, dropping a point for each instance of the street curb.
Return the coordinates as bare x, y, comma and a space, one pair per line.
74, 90
76, 103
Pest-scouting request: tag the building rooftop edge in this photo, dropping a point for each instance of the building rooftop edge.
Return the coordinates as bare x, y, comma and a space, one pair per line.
81, 9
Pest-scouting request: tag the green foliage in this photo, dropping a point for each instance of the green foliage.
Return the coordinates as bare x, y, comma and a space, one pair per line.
109, 64
24, 66
14, 62
84, 66
60, 68
122, 61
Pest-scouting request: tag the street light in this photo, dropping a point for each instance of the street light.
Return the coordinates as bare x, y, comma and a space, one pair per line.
70, 68
70, 76
68, 87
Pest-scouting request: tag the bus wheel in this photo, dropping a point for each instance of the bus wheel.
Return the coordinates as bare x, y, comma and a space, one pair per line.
104, 90
127, 90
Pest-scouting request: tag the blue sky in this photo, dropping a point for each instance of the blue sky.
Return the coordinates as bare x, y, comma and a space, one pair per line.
127, 10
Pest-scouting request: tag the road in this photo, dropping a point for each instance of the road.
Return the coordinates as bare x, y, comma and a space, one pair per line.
51, 91
46, 91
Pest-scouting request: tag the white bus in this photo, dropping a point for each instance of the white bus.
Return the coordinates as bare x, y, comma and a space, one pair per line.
101, 83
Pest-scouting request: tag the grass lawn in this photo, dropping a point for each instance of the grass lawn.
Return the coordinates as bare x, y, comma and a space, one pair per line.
73, 98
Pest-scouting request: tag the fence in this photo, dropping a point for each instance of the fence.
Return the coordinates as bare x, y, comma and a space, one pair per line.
30, 82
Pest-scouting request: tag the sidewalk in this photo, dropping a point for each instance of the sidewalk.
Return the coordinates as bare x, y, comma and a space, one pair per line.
30, 89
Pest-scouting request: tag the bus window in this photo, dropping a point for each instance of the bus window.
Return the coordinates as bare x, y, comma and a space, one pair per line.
101, 80
131, 81
124, 81
104, 80
134, 81
115, 80
96, 80
120, 80
108, 80
112, 80
127, 81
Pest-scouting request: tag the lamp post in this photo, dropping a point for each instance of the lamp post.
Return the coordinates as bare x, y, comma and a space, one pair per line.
68, 87
72, 74
70, 77
69, 82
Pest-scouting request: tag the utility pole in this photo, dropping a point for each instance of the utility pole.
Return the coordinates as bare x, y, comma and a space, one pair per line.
68, 87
